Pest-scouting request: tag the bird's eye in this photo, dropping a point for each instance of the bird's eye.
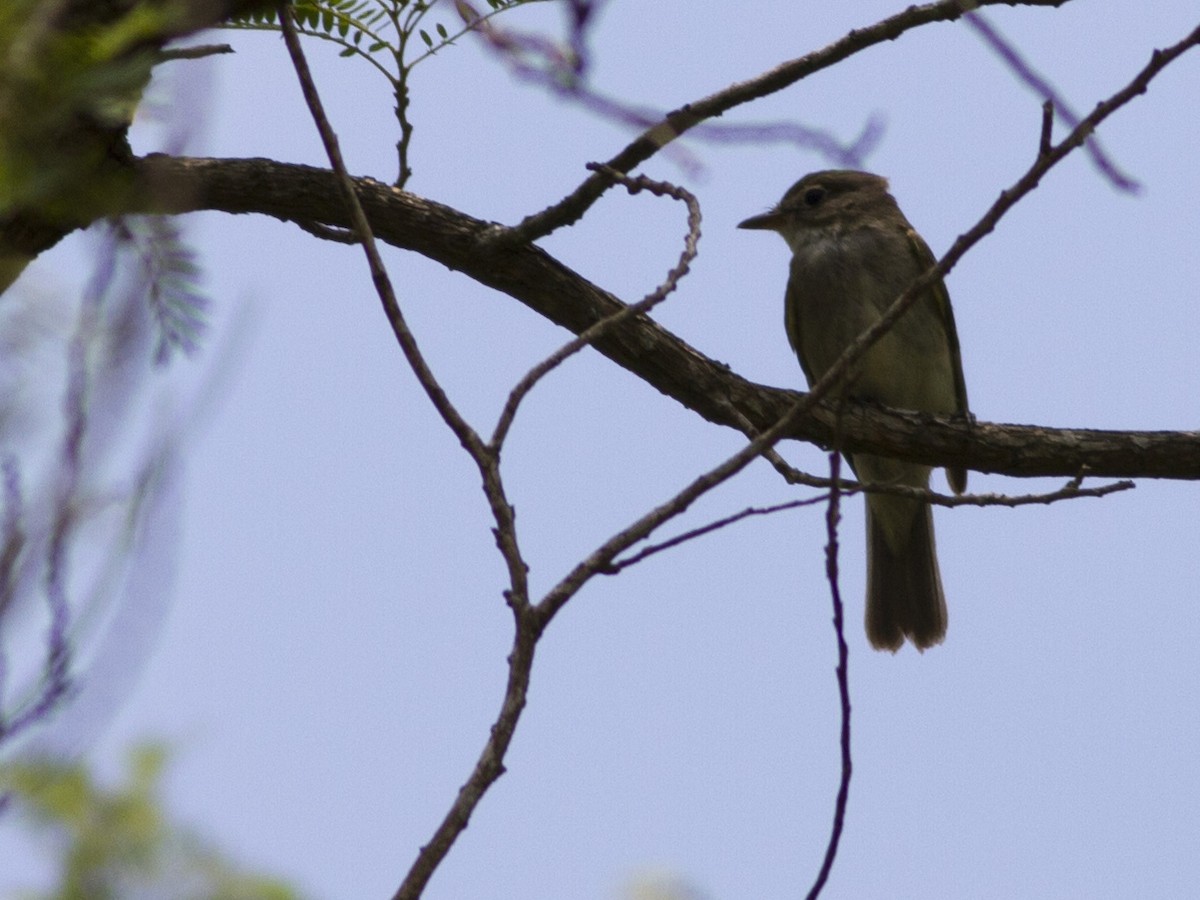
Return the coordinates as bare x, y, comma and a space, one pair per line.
813, 196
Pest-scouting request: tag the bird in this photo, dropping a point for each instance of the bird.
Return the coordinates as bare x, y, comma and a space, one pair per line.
853, 254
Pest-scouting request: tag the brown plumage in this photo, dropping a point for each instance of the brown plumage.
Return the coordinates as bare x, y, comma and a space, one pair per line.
853, 253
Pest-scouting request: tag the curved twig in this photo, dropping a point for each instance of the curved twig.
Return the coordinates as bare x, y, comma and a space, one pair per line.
585, 338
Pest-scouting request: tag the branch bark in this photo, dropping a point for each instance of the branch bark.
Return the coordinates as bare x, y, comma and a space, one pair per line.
309, 196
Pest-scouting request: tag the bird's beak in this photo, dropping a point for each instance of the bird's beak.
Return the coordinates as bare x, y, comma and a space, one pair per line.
768, 221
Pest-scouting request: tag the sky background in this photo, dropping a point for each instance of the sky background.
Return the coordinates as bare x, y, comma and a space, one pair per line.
325, 644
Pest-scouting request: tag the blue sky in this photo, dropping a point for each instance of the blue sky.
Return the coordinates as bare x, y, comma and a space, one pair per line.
333, 646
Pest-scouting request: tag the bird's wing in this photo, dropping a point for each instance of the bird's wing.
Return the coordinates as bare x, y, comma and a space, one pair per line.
926, 260
791, 321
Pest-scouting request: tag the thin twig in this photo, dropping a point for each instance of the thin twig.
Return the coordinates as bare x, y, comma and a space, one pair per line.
621, 564
790, 473
1024, 71
490, 766
56, 680
674, 124
1069, 491
1072, 490
196, 51
12, 538
850, 155
379, 276
1047, 128
832, 517
563, 74
329, 233
658, 295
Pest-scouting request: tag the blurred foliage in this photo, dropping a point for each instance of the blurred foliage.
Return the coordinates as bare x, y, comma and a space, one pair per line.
118, 843
168, 275
72, 75
66, 96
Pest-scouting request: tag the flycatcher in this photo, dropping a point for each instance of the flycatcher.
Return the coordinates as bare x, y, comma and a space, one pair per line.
853, 254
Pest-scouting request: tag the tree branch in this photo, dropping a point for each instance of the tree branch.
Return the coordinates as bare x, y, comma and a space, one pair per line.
676, 123
526, 631
1012, 58
526, 273
590, 334
832, 518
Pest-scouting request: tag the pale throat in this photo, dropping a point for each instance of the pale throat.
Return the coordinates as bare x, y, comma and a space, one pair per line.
816, 245
819, 243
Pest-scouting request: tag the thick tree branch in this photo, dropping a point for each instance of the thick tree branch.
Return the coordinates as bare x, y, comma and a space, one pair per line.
308, 195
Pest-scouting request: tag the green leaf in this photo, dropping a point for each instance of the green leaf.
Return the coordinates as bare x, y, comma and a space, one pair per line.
119, 842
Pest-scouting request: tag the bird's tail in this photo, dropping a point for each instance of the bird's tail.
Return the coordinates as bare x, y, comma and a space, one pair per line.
904, 588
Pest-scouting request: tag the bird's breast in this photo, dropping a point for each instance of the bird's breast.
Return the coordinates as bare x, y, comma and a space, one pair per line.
839, 286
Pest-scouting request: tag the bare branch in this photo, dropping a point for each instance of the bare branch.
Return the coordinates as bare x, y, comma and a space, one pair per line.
196, 51
1024, 71
563, 73
488, 768
570, 208
56, 679
362, 229
1044, 142
1072, 490
832, 517
694, 533
667, 364
490, 764
659, 294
